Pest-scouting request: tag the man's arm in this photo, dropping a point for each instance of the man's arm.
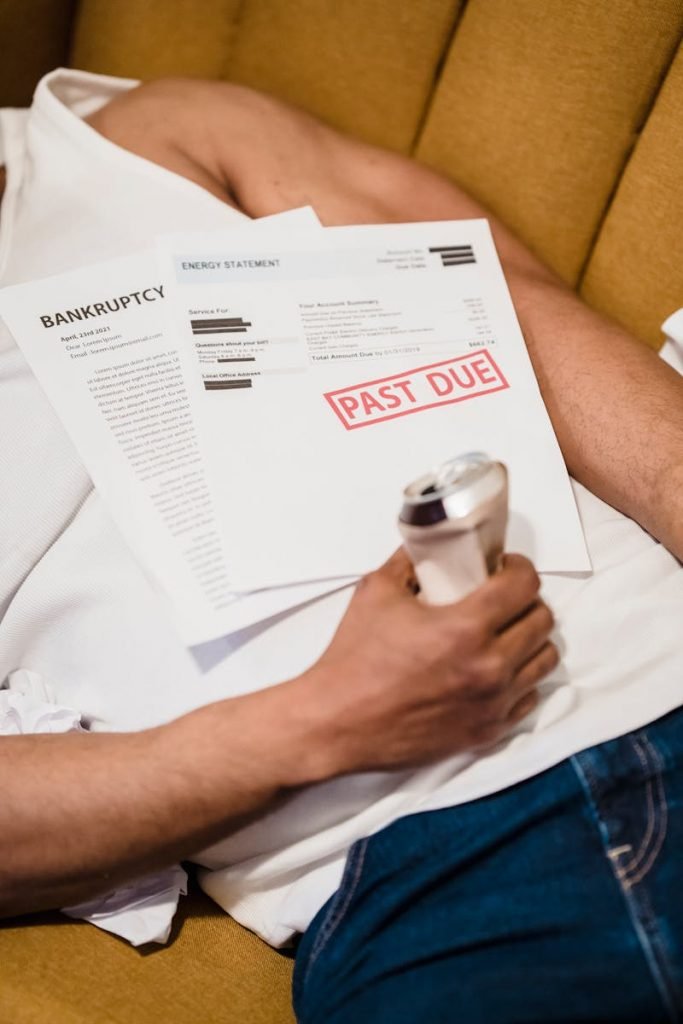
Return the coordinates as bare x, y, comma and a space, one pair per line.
616, 408
401, 684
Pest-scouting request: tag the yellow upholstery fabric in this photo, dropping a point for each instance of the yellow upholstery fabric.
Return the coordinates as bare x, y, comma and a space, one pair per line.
56, 971
538, 106
155, 38
535, 110
636, 270
365, 66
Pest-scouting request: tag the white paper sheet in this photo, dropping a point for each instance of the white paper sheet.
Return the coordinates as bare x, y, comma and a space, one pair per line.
336, 367
95, 339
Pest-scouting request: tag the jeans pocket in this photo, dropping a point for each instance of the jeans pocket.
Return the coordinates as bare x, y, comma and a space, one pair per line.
633, 861
337, 908
624, 781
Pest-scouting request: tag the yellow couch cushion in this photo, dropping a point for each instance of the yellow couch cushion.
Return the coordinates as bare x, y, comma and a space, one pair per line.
538, 106
634, 273
155, 38
365, 67
57, 971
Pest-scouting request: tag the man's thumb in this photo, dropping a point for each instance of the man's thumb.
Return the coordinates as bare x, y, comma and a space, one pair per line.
399, 570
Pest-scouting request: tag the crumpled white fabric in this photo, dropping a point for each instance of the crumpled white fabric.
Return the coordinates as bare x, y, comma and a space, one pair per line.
673, 326
672, 351
139, 912
27, 706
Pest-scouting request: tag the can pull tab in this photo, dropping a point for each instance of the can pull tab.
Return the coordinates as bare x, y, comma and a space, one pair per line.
460, 470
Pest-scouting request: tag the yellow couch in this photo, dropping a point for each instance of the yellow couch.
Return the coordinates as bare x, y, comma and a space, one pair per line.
563, 116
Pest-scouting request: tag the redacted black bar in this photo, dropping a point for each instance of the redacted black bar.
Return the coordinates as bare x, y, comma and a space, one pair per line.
221, 321
454, 255
218, 330
219, 325
450, 248
227, 385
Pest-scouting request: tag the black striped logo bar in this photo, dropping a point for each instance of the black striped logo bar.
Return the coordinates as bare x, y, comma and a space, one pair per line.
454, 255
226, 385
227, 325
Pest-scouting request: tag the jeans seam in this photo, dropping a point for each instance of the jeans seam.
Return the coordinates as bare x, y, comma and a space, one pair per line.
642, 919
340, 903
644, 860
632, 865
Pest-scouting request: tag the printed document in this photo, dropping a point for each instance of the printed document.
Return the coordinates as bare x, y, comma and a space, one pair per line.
95, 340
334, 367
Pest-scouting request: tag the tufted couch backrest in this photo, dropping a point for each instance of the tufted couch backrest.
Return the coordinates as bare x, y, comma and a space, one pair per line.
564, 116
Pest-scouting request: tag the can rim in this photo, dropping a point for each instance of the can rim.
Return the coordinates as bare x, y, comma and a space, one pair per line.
447, 478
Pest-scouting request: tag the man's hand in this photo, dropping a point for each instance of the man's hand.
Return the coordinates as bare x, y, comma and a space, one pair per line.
403, 683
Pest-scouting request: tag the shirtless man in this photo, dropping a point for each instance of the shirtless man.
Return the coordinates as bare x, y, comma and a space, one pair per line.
431, 682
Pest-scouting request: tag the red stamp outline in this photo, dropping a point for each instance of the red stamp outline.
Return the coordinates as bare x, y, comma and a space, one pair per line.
330, 395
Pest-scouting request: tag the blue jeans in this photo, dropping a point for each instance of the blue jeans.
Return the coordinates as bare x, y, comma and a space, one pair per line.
558, 899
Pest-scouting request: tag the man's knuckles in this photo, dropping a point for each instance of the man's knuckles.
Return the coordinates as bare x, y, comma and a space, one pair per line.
462, 632
524, 707
543, 663
486, 733
532, 673
485, 678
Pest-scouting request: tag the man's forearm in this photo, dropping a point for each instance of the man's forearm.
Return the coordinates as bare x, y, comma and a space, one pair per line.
401, 684
82, 813
617, 409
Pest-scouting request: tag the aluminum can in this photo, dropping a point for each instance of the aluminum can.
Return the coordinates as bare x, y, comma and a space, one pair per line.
453, 523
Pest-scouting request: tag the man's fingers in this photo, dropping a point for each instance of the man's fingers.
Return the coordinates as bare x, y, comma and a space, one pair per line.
523, 707
523, 693
527, 635
530, 675
505, 595
499, 601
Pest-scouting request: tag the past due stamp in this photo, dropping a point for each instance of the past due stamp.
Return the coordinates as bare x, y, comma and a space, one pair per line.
425, 387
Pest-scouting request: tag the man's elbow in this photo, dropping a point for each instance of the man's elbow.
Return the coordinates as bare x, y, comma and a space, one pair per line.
15, 898
22, 894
